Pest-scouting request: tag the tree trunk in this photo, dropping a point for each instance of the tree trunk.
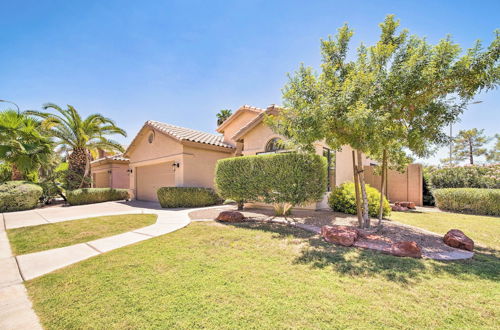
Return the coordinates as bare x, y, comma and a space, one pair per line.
240, 206
16, 173
361, 177
356, 189
382, 189
77, 168
471, 157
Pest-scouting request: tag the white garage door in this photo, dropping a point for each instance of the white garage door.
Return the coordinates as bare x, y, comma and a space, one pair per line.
150, 178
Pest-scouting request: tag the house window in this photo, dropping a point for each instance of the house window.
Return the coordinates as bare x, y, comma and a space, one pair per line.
330, 158
274, 145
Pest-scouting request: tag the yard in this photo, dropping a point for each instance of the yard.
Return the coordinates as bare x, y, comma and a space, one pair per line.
55, 235
212, 275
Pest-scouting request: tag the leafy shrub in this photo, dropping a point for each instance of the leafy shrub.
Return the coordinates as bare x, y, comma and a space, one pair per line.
428, 199
95, 195
473, 176
5, 172
469, 200
18, 196
284, 180
343, 199
187, 197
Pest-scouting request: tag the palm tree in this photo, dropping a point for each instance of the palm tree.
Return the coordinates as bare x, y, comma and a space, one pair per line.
22, 143
83, 137
223, 115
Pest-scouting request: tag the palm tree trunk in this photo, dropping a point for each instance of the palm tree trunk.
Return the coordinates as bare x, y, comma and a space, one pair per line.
16, 173
77, 167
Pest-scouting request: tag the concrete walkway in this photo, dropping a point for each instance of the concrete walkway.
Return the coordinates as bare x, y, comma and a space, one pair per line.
15, 307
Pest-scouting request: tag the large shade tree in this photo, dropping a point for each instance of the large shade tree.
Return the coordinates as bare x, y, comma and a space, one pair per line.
82, 137
23, 146
392, 99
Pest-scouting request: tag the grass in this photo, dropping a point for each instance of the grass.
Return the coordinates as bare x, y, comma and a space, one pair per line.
251, 275
38, 238
484, 230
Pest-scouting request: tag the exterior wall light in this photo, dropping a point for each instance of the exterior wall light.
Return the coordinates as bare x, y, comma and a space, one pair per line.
176, 164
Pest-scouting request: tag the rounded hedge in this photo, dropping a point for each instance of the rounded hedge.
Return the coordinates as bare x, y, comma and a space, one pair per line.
343, 199
170, 197
468, 200
287, 178
19, 196
95, 195
471, 176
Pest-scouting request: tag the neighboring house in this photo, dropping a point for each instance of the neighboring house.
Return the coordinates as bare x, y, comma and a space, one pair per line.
166, 155
110, 172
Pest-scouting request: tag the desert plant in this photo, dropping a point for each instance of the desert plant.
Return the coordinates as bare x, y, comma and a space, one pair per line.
19, 195
95, 195
283, 180
187, 197
469, 200
343, 199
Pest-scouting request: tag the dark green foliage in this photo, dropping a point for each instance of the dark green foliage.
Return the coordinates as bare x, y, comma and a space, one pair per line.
469, 200
19, 195
95, 195
477, 176
287, 178
343, 199
5, 172
187, 197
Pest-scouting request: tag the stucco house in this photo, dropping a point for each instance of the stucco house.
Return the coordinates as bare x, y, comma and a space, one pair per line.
166, 155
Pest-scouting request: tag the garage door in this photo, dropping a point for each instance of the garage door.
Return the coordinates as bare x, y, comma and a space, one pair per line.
101, 180
150, 178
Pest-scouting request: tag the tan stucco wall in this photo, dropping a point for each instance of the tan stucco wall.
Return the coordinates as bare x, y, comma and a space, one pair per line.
255, 140
118, 178
405, 186
236, 124
343, 165
199, 166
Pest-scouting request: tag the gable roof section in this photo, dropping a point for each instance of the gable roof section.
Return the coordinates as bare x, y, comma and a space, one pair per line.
112, 159
271, 110
182, 134
235, 115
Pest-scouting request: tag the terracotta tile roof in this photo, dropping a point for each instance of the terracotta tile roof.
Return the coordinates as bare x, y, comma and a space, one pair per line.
242, 109
118, 157
187, 134
272, 109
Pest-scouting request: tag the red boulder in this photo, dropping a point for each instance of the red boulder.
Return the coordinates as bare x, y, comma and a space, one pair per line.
230, 216
457, 239
397, 207
406, 249
343, 235
409, 205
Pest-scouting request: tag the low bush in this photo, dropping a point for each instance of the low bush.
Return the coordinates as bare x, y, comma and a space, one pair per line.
187, 197
19, 195
468, 200
284, 180
471, 176
95, 195
343, 199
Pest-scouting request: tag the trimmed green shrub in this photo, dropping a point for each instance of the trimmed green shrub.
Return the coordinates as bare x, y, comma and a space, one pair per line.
468, 200
472, 176
284, 180
187, 197
95, 195
343, 199
19, 195
5, 172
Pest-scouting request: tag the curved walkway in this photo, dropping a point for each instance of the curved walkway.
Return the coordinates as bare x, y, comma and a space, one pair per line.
15, 307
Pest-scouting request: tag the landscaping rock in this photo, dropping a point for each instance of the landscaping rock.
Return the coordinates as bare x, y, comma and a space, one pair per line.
406, 249
343, 235
400, 208
409, 205
457, 239
230, 216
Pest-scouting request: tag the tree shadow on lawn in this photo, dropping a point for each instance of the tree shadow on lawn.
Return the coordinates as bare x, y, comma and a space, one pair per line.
363, 262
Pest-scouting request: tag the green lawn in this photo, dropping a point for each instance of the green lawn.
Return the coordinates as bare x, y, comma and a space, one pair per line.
210, 275
38, 238
485, 231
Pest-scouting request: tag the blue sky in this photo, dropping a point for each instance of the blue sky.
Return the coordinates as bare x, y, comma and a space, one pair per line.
182, 61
